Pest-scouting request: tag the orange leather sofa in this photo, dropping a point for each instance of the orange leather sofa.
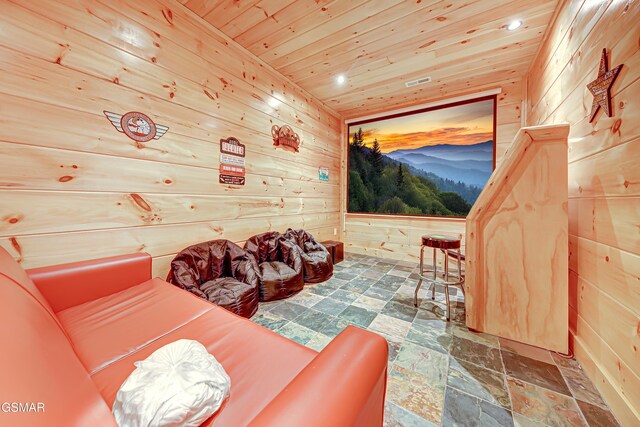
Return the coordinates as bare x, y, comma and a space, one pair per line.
70, 334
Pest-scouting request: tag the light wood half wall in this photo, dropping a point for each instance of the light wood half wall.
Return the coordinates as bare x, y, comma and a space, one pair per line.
73, 188
604, 188
398, 237
517, 245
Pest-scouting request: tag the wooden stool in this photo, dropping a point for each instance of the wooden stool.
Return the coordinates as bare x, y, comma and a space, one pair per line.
336, 249
446, 245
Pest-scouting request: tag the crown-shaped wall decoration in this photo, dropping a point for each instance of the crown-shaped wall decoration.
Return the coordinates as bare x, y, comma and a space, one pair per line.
284, 136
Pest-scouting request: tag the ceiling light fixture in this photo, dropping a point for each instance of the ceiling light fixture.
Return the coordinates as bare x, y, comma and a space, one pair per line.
341, 79
417, 82
514, 25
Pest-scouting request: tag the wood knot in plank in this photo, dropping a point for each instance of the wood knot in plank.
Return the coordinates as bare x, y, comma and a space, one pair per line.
168, 15
141, 202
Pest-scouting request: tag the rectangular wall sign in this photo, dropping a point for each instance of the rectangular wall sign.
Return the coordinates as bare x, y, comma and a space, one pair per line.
232, 146
232, 170
231, 160
231, 179
323, 173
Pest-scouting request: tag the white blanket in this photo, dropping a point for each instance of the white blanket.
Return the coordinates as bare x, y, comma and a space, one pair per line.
180, 384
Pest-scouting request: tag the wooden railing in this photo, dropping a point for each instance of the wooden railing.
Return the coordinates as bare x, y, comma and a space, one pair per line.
517, 244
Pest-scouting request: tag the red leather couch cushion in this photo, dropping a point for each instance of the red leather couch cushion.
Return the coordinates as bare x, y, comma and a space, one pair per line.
259, 362
111, 327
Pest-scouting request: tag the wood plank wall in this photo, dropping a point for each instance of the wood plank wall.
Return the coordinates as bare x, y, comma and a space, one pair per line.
73, 188
604, 188
399, 237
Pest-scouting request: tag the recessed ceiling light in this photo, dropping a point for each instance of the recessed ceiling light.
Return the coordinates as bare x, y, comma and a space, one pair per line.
273, 103
341, 79
513, 25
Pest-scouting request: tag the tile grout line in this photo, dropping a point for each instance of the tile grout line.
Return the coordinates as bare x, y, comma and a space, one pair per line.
575, 400
564, 378
539, 386
486, 401
506, 381
544, 388
606, 407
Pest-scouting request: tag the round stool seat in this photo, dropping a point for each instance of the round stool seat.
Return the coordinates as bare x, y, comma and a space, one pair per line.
441, 242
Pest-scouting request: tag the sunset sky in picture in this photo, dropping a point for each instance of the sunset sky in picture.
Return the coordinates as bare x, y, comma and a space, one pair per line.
465, 124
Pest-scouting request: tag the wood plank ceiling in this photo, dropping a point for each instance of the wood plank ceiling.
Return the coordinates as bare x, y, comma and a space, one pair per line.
378, 45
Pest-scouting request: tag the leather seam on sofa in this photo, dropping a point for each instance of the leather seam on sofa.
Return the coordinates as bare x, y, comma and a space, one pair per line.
146, 344
266, 330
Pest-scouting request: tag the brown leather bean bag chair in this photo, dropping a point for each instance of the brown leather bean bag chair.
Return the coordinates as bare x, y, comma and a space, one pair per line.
279, 265
316, 259
219, 271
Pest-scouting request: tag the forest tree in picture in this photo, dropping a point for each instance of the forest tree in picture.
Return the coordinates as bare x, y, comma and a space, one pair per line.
433, 162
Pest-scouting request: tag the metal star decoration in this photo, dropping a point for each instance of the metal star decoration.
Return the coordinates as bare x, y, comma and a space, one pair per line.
601, 87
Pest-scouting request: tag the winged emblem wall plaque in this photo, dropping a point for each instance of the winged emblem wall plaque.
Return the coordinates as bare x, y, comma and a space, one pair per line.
137, 126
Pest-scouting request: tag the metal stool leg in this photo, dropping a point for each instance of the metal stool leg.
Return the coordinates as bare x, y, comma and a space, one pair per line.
446, 287
460, 271
415, 297
435, 270
446, 293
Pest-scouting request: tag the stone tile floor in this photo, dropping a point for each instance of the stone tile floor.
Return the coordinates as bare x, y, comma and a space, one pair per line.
440, 373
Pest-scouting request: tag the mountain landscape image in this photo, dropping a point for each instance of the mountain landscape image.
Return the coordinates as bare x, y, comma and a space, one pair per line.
430, 163
470, 164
